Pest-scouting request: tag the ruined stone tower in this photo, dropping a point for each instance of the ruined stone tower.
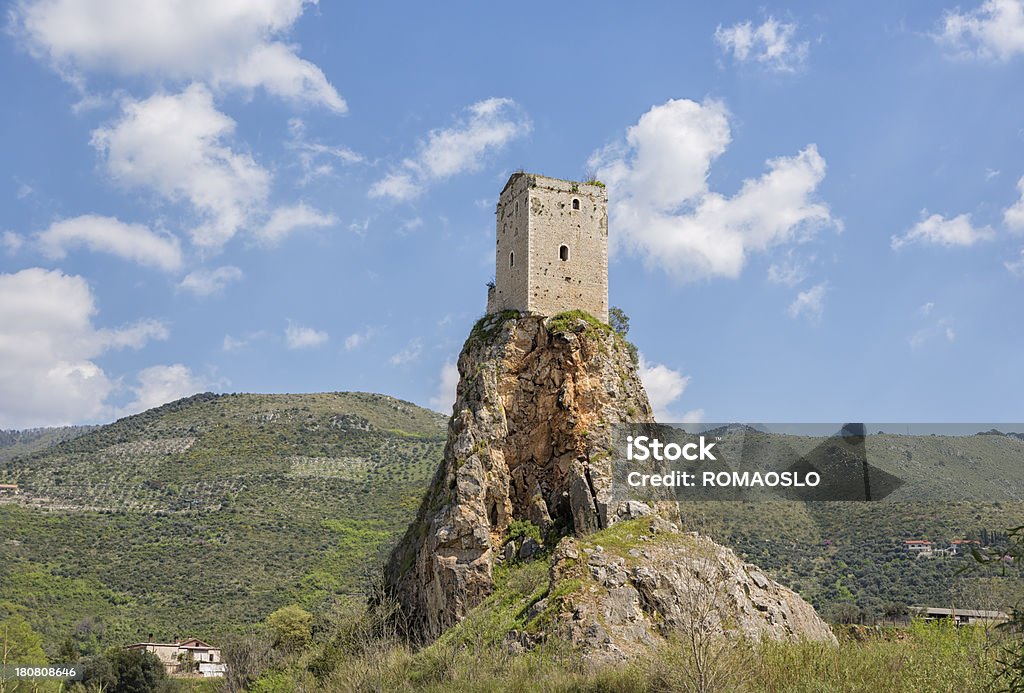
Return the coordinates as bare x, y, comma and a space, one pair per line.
552, 247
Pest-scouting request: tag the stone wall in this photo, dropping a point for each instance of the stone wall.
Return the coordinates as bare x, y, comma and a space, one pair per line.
561, 252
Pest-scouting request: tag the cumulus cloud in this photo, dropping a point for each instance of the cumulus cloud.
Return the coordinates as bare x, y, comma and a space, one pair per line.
49, 346
663, 210
133, 242
284, 220
487, 127
206, 282
174, 144
11, 241
1016, 267
159, 385
299, 337
809, 304
446, 388
938, 230
1013, 217
229, 44
772, 44
992, 31
664, 387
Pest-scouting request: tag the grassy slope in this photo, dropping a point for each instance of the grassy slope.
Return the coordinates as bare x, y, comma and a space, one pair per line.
207, 514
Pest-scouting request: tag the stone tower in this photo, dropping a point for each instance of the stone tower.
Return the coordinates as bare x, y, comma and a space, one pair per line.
552, 247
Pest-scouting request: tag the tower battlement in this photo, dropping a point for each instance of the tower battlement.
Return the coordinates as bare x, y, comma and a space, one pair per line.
552, 247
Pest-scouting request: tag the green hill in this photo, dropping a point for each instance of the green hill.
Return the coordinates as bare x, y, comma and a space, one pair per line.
207, 514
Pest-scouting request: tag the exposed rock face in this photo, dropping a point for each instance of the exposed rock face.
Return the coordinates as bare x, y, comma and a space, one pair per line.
651, 580
528, 439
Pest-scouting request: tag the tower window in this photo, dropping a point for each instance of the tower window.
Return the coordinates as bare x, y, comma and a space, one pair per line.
511, 260
575, 205
517, 207
563, 253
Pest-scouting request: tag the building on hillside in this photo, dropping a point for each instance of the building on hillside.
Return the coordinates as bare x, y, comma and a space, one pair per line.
189, 657
961, 617
963, 546
9, 488
919, 547
551, 247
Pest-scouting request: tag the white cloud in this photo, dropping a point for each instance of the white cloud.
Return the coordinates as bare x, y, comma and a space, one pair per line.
357, 339
788, 272
664, 386
938, 230
927, 308
410, 225
174, 144
942, 328
992, 31
233, 343
230, 44
299, 337
1013, 217
809, 304
446, 389
410, 353
133, 242
772, 44
284, 220
49, 346
489, 126
11, 241
312, 154
1016, 267
663, 210
159, 385
206, 282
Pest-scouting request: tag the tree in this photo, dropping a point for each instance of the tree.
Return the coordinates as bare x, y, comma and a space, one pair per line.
19, 644
135, 671
246, 658
619, 321
291, 627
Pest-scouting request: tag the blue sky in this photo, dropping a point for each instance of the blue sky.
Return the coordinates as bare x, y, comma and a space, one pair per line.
817, 213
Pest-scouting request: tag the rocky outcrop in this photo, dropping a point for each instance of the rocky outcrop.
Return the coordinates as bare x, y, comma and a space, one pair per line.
528, 439
620, 593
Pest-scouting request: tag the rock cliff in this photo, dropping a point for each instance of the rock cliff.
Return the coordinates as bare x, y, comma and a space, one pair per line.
529, 439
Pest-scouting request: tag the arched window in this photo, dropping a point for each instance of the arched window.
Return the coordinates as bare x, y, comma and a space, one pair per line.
563, 253
517, 207
511, 260
575, 205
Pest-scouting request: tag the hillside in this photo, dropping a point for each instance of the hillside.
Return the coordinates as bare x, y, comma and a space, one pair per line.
206, 514
18, 443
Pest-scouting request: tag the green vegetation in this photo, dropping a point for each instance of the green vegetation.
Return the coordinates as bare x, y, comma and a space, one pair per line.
577, 321
291, 627
206, 515
488, 326
490, 650
16, 443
